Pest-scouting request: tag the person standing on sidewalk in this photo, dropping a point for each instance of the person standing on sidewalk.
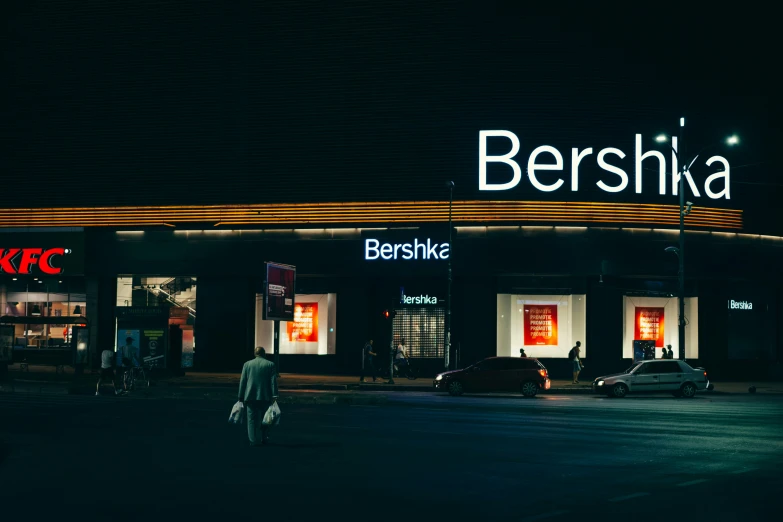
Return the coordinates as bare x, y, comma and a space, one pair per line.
107, 371
257, 391
368, 362
401, 358
576, 361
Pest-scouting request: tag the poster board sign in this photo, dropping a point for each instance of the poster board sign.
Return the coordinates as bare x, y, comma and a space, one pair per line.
648, 324
304, 327
540, 325
279, 292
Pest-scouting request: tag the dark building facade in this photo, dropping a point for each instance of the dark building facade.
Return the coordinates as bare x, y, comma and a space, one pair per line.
538, 287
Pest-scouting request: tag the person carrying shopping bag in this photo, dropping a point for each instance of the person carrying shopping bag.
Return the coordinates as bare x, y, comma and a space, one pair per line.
258, 392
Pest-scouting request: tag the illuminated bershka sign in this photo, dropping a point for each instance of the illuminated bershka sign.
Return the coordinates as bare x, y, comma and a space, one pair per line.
546, 169
26, 261
424, 250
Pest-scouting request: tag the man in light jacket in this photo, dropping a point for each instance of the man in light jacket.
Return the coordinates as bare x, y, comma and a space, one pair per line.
258, 390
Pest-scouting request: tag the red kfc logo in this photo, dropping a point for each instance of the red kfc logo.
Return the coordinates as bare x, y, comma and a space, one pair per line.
22, 260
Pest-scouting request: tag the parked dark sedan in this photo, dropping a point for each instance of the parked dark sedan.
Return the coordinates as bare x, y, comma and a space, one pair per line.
496, 374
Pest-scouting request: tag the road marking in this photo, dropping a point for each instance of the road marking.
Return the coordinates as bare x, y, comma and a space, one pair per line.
737, 472
546, 515
628, 497
692, 482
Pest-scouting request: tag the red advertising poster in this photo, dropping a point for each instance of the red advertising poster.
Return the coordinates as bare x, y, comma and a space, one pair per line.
648, 325
541, 325
304, 327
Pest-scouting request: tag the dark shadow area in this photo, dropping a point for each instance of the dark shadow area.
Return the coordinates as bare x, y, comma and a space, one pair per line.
304, 445
5, 452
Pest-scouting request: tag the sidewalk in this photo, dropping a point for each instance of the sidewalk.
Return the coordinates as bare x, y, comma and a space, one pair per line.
41, 376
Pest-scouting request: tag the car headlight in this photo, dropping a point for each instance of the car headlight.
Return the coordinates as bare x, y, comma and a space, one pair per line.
439, 378
599, 383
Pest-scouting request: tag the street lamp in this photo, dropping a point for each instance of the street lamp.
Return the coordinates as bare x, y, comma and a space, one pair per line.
450, 185
685, 209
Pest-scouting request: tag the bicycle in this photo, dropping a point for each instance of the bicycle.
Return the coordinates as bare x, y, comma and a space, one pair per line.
133, 375
141, 374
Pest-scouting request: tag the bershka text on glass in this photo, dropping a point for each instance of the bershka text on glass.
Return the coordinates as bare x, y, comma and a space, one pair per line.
21, 261
374, 249
419, 299
534, 169
740, 305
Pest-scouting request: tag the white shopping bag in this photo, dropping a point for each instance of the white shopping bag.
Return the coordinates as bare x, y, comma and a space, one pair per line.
272, 415
236, 413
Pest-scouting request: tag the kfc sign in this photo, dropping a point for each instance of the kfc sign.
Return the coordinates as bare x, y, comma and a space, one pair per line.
546, 169
26, 261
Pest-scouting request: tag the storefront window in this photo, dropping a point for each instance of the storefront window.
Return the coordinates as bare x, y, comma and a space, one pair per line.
546, 326
43, 298
175, 297
655, 319
423, 329
312, 332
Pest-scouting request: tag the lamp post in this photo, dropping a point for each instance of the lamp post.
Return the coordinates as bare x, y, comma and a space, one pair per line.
685, 208
450, 185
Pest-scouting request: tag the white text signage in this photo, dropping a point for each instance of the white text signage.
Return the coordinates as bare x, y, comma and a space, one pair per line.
545, 168
424, 250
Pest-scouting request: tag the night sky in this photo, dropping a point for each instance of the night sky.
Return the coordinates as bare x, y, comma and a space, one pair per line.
150, 102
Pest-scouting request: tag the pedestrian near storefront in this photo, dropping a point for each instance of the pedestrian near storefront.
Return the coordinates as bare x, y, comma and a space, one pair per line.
368, 362
257, 391
107, 371
522, 352
576, 361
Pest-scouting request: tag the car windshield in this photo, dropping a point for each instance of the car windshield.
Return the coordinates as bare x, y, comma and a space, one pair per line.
632, 368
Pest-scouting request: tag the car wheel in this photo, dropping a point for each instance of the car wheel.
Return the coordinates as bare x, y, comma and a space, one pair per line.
529, 389
688, 390
455, 388
619, 390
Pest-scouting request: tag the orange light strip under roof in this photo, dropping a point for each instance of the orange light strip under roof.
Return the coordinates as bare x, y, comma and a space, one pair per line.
373, 212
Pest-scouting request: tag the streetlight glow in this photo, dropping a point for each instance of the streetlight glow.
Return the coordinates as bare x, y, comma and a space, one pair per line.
662, 138
732, 140
682, 122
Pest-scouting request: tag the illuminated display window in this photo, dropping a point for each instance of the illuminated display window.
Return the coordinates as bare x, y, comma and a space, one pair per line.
546, 326
312, 332
655, 319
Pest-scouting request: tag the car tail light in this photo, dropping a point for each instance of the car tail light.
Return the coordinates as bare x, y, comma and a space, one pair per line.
705, 374
542, 372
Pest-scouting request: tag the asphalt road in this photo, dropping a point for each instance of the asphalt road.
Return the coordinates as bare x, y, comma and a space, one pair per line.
551, 458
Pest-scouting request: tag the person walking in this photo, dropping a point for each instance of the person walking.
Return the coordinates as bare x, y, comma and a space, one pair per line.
401, 357
522, 352
670, 354
368, 361
257, 391
107, 371
576, 361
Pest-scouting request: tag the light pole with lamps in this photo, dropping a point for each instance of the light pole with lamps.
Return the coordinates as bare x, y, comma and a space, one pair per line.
450, 185
685, 209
